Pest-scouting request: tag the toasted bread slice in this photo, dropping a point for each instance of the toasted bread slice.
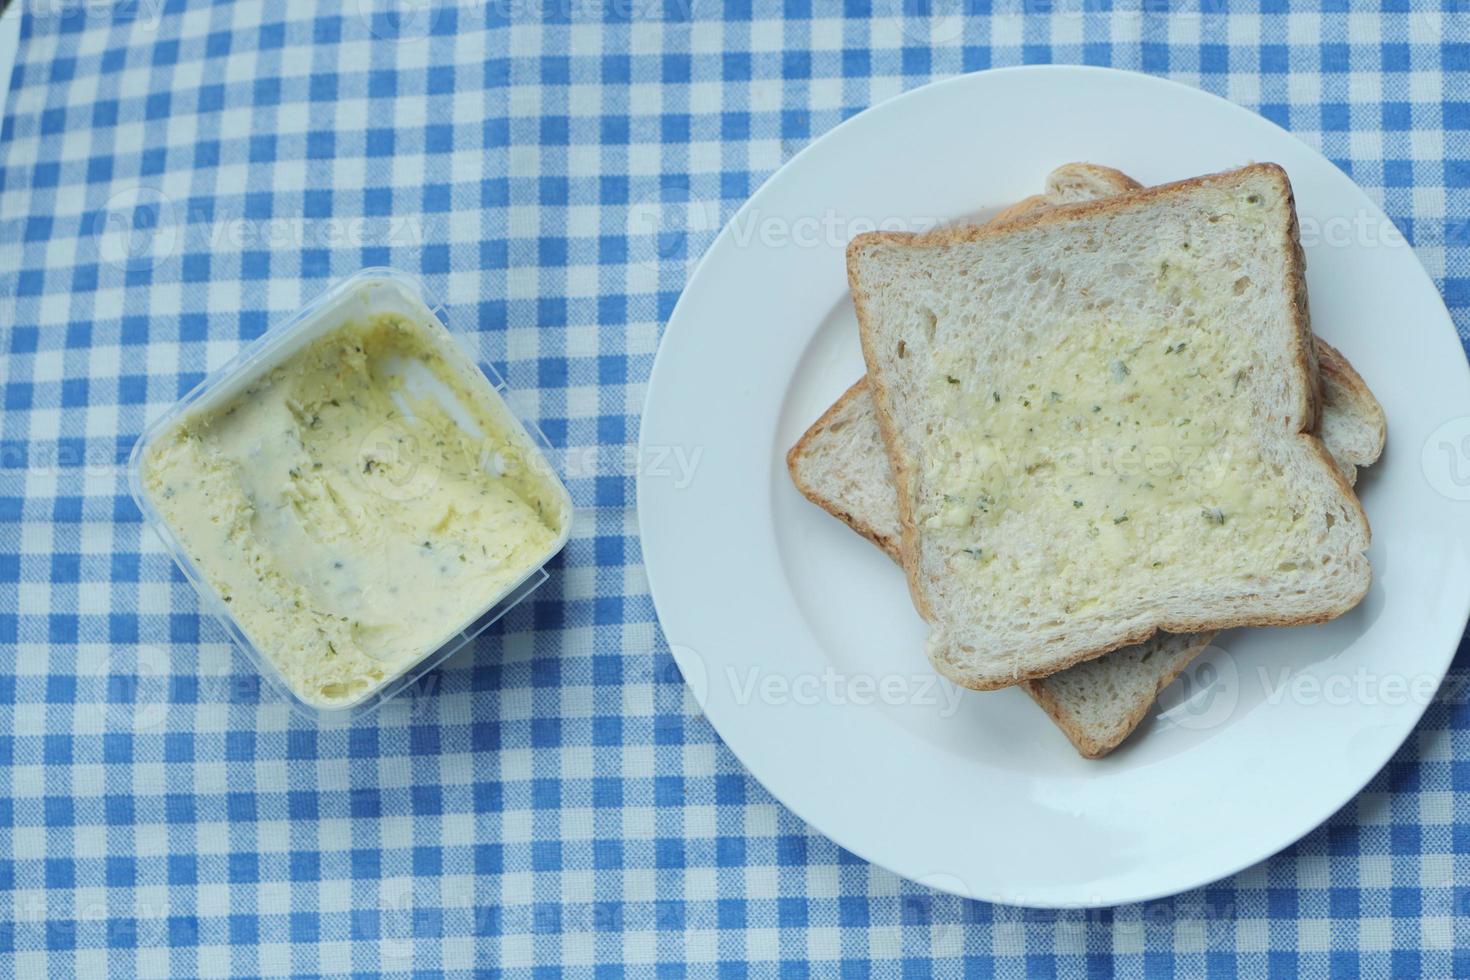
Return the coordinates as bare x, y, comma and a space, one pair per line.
1083, 309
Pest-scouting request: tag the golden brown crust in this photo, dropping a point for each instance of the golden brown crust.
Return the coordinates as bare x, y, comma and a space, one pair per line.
1022, 207
907, 532
1096, 748
1175, 625
796, 452
1305, 405
820, 425
1296, 280
1035, 217
949, 232
1096, 172
1331, 363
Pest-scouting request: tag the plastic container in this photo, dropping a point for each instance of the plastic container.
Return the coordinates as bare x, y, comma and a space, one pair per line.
365, 294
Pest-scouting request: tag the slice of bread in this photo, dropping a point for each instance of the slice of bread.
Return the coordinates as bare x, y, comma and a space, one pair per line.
1351, 423
1098, 703
1005, 358
840, 465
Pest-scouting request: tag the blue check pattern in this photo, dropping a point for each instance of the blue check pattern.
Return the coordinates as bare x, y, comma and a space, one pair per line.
176, 176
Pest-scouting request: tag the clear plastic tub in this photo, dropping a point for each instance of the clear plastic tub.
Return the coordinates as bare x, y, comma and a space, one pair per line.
356, 300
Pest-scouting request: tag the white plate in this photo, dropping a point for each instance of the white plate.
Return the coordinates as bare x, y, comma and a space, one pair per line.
799, 639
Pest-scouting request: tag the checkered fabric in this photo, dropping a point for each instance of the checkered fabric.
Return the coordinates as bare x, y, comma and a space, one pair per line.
176, 176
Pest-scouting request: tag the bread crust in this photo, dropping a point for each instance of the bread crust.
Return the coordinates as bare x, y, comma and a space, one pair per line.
908, 537
796, 452
1143, 634
1092, 747
1304, 391
1022, 207
1094, 174
1332, 364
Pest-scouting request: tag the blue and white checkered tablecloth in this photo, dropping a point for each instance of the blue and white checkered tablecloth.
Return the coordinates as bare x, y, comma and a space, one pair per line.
175, 176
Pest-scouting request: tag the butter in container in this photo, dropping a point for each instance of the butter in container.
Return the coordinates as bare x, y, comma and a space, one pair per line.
352, 495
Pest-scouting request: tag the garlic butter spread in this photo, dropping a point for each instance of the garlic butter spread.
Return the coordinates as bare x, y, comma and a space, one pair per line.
1118, 446
349, 519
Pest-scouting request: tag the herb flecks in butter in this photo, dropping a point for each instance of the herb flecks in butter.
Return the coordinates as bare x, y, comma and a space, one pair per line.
1125, 438
344, 510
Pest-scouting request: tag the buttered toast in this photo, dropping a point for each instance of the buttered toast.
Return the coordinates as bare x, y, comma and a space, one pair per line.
840, 464
1100, 419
